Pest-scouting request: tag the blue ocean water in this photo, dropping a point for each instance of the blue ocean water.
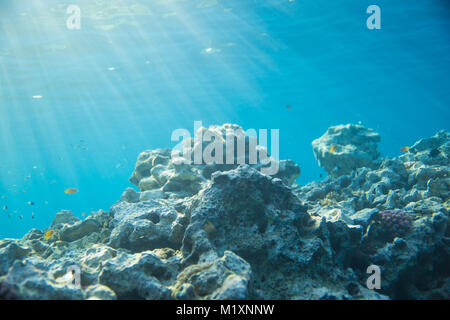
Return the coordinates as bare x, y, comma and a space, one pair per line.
78, 106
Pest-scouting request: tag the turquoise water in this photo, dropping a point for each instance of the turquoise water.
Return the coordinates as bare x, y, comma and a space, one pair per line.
77, 106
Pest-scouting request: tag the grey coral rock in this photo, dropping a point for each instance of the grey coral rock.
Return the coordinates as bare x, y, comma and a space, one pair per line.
146, 225
136, 276
130, 195
223, 278
230, 232
356, 147
160, 173
31, 282
416, 265
10, 251
64, 217
79, 229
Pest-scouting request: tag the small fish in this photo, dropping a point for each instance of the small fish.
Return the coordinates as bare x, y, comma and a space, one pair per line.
32, 215
34, 167
333, 149
288, 107
31, 203
71, 191
83, 214
20, 217
404, 149
3, 197
49, 234
434, 153
27, 177
5, 207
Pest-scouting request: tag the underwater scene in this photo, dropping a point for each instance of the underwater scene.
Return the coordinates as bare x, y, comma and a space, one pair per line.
224, 150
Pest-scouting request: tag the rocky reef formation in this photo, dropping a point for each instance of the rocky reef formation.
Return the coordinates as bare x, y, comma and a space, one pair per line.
6, 291
414, 257
215, 231
163, 173
344, 148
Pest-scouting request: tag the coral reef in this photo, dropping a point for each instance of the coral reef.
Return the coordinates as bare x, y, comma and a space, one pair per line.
160, 174
6, 291
396, 223
228, 231
414, 264
344, 148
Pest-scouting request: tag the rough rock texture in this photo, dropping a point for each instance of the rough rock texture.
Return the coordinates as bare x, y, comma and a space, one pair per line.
137, 275
6, 291
344, 148
161, 174
416, 265
222, 278
261, 220
235, 233
147, 225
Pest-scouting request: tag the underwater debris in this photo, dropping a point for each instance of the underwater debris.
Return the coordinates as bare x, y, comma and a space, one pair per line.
165, 170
